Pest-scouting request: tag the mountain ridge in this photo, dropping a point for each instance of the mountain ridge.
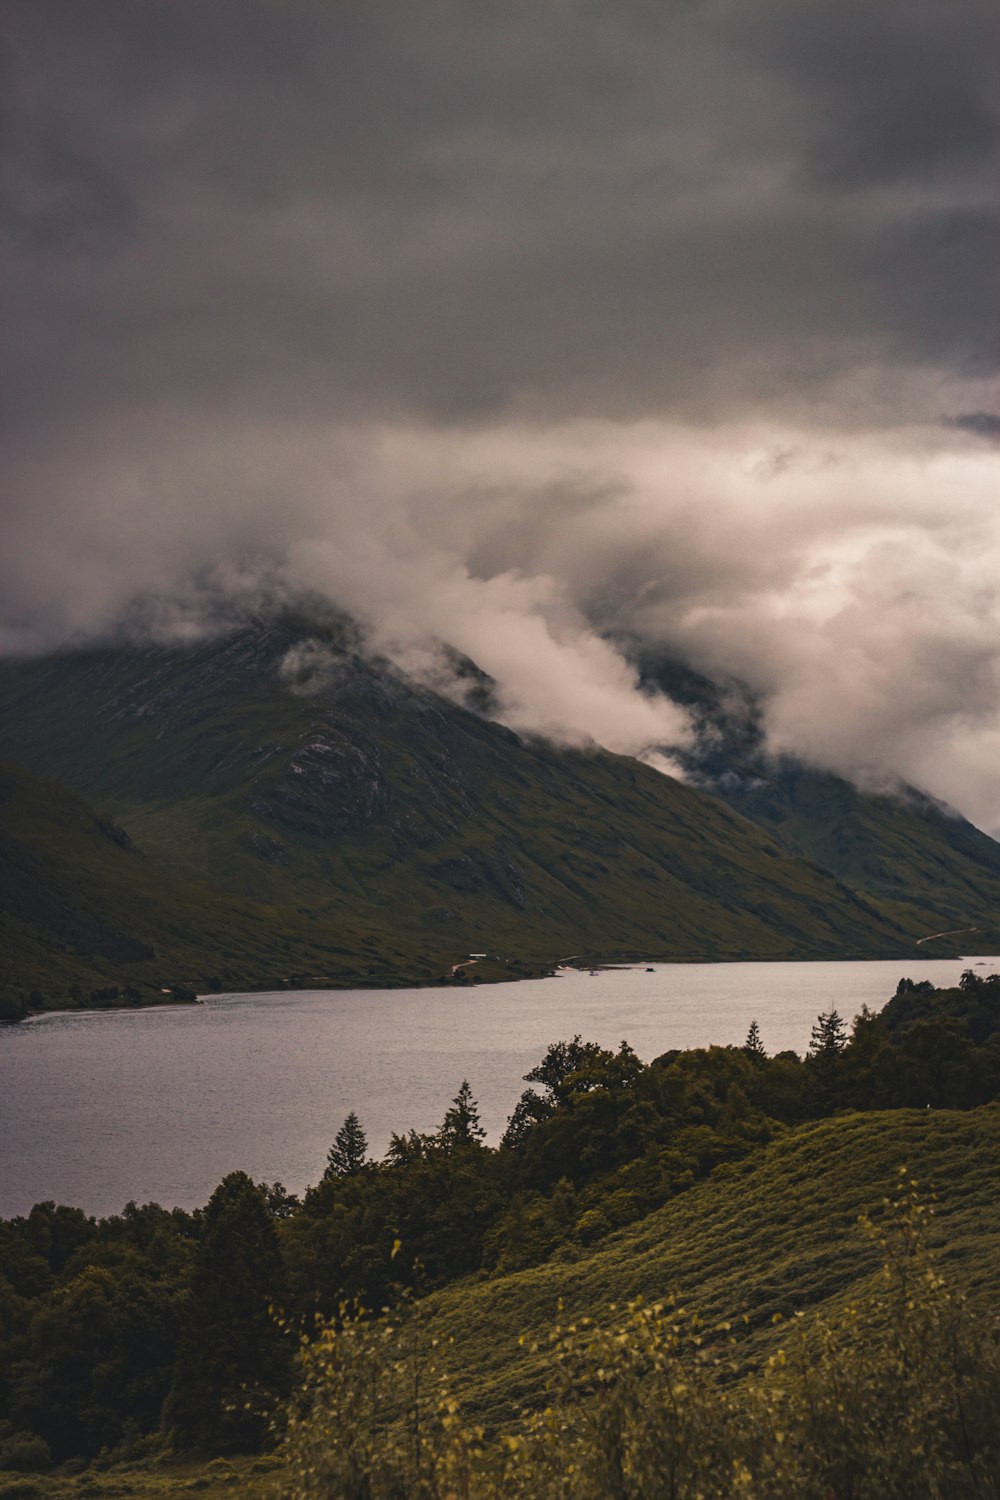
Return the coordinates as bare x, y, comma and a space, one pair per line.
886, 843
362, 815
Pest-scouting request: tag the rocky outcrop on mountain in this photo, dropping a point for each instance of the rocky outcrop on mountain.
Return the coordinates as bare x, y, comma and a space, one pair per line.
495, 871
328, 786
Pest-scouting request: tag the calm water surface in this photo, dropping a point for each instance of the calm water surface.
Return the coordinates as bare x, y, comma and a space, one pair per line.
99, 1107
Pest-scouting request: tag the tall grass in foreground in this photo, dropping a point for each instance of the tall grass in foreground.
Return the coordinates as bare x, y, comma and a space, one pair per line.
897, 1398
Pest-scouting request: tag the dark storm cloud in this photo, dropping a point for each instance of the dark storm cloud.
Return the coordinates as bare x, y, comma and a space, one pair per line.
984, 424
464, 210
522, 324
895, 90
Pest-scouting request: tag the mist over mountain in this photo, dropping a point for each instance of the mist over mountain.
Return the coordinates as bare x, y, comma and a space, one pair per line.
527, 330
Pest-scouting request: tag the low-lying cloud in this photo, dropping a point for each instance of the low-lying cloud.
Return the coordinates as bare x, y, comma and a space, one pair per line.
853, 584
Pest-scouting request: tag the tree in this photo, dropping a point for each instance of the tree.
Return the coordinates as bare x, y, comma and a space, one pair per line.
13, 1007
829, 1035
828, 1063
753, 1043
529, 1110
281, 1204
461, 1125
561, 1062
414, 1146
233, 1362
99, 1357
921, 987
349, 1153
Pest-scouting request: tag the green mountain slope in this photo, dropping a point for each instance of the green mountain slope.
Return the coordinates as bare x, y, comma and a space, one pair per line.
907, 851
772, 1236
277, 766
82, 910
927, 863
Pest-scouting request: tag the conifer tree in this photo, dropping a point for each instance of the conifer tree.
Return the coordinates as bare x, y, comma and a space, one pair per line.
461, 1125
753, 1043
829, 1035
349, 1153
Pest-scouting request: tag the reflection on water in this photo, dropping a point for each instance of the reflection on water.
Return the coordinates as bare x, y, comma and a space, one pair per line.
101, 1107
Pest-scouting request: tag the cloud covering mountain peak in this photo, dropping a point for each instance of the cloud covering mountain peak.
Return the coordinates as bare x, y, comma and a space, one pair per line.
534, 329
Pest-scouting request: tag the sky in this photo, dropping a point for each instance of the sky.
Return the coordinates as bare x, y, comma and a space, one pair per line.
546, 329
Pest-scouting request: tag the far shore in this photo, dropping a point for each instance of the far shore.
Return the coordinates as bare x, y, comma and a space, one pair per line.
487, 972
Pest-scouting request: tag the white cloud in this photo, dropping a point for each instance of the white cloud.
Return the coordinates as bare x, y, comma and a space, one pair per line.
852, 581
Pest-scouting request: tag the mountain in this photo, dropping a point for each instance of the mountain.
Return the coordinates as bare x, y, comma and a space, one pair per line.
371, 830
85, 918
919, 859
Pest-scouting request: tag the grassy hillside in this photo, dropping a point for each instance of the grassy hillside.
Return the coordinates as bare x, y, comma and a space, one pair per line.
898, 849
775, 1237
398, 831
83, 910
772, 1236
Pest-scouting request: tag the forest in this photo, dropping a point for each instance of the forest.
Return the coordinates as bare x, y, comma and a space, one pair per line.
158, 1331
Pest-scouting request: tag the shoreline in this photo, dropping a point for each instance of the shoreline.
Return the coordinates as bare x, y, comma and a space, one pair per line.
493, 973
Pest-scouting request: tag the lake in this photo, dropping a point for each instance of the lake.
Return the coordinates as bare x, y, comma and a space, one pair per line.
100, 1107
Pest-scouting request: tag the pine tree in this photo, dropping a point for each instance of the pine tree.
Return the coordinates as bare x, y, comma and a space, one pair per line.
753, 1043
461, 1125
829, 1035
349, 1153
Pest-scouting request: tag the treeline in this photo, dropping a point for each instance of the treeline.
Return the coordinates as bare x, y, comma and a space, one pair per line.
17, 1004
156, 1324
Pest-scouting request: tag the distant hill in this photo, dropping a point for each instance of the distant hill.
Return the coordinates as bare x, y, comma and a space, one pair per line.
306, 815
927, 863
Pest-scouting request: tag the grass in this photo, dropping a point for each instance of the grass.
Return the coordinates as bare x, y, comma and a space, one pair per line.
897, 850
218, 1479
80, 909
770, 1237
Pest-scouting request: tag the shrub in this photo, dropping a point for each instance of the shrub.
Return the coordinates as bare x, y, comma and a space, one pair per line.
25, 1453
896, 1400
20, 1489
